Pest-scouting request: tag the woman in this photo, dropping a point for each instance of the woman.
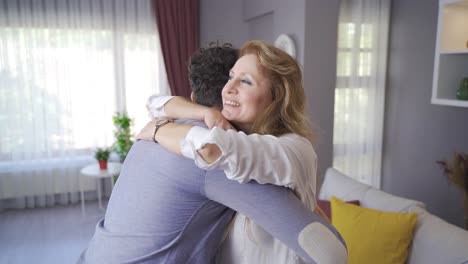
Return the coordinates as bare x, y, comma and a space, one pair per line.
265, 100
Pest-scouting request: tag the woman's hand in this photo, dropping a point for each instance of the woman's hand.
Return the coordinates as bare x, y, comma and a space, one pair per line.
148, 131
213, 117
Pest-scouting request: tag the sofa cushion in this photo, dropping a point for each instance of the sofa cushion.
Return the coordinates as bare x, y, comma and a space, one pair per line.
377, 199
373, 236
339, 185
344, 187
436, 241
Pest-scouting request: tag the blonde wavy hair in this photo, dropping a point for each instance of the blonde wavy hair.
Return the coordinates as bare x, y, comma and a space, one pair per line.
287, 112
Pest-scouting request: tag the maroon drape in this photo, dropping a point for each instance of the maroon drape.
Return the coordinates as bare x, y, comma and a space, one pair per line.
179, 31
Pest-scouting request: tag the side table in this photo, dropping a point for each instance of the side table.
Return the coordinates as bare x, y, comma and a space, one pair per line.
93, 171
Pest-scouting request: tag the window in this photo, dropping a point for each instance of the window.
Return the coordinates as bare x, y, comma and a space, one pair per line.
59, 88
65, 70
360, 89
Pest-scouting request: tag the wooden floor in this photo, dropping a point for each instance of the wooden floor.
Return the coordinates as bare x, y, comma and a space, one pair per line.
49, 235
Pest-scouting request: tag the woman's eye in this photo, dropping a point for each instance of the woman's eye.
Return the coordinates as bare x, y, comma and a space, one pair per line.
246, 81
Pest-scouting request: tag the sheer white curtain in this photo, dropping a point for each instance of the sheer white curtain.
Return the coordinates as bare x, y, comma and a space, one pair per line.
66, 67
360, 88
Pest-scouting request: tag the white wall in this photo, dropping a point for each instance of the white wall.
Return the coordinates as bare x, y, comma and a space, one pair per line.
222, 20
321, 31
418, 133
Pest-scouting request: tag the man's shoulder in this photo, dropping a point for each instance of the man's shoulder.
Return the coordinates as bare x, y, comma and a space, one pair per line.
148, 159
150, 155
144, 150
190, 122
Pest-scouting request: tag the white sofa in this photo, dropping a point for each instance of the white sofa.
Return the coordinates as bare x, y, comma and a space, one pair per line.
435, 241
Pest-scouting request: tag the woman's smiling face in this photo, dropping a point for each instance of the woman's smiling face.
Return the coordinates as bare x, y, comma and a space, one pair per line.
247, 93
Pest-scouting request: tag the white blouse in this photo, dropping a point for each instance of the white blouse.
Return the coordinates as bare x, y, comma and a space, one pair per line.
288, 160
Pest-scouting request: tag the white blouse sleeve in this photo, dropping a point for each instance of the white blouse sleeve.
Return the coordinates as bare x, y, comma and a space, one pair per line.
263, 158
155, 105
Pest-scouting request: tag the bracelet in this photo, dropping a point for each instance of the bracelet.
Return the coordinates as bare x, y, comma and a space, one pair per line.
159, 124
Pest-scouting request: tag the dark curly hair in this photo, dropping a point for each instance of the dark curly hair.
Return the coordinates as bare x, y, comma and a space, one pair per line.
209, 71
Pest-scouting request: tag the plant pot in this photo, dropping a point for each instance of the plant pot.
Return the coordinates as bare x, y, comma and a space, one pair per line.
102, 164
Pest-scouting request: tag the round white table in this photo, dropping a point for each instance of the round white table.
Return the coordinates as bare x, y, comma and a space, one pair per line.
93, 171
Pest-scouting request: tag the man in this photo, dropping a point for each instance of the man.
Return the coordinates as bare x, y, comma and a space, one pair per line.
164, 209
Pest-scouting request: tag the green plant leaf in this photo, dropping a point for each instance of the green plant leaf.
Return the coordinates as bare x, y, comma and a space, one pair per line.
122, 133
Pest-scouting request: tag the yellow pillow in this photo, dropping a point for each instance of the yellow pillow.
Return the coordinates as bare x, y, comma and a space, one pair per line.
373, 236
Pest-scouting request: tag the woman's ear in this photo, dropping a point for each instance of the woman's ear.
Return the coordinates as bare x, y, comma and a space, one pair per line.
192, 97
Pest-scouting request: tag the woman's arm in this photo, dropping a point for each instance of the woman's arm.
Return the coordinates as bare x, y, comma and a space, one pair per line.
178, 107
281, 161
171, 135
288, 160
174, 107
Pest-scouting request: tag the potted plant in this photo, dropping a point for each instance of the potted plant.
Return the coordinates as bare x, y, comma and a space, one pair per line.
122, 134
102, 156
456, 171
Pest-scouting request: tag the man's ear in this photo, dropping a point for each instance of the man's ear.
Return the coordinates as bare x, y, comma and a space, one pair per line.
192, 97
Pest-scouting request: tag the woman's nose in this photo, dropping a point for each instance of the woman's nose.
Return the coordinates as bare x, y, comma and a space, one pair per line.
231, 86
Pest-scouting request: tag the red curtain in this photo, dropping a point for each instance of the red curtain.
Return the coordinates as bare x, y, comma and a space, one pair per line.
179, 31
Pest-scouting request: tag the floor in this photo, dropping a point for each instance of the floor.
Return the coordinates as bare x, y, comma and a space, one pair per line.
47, 235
